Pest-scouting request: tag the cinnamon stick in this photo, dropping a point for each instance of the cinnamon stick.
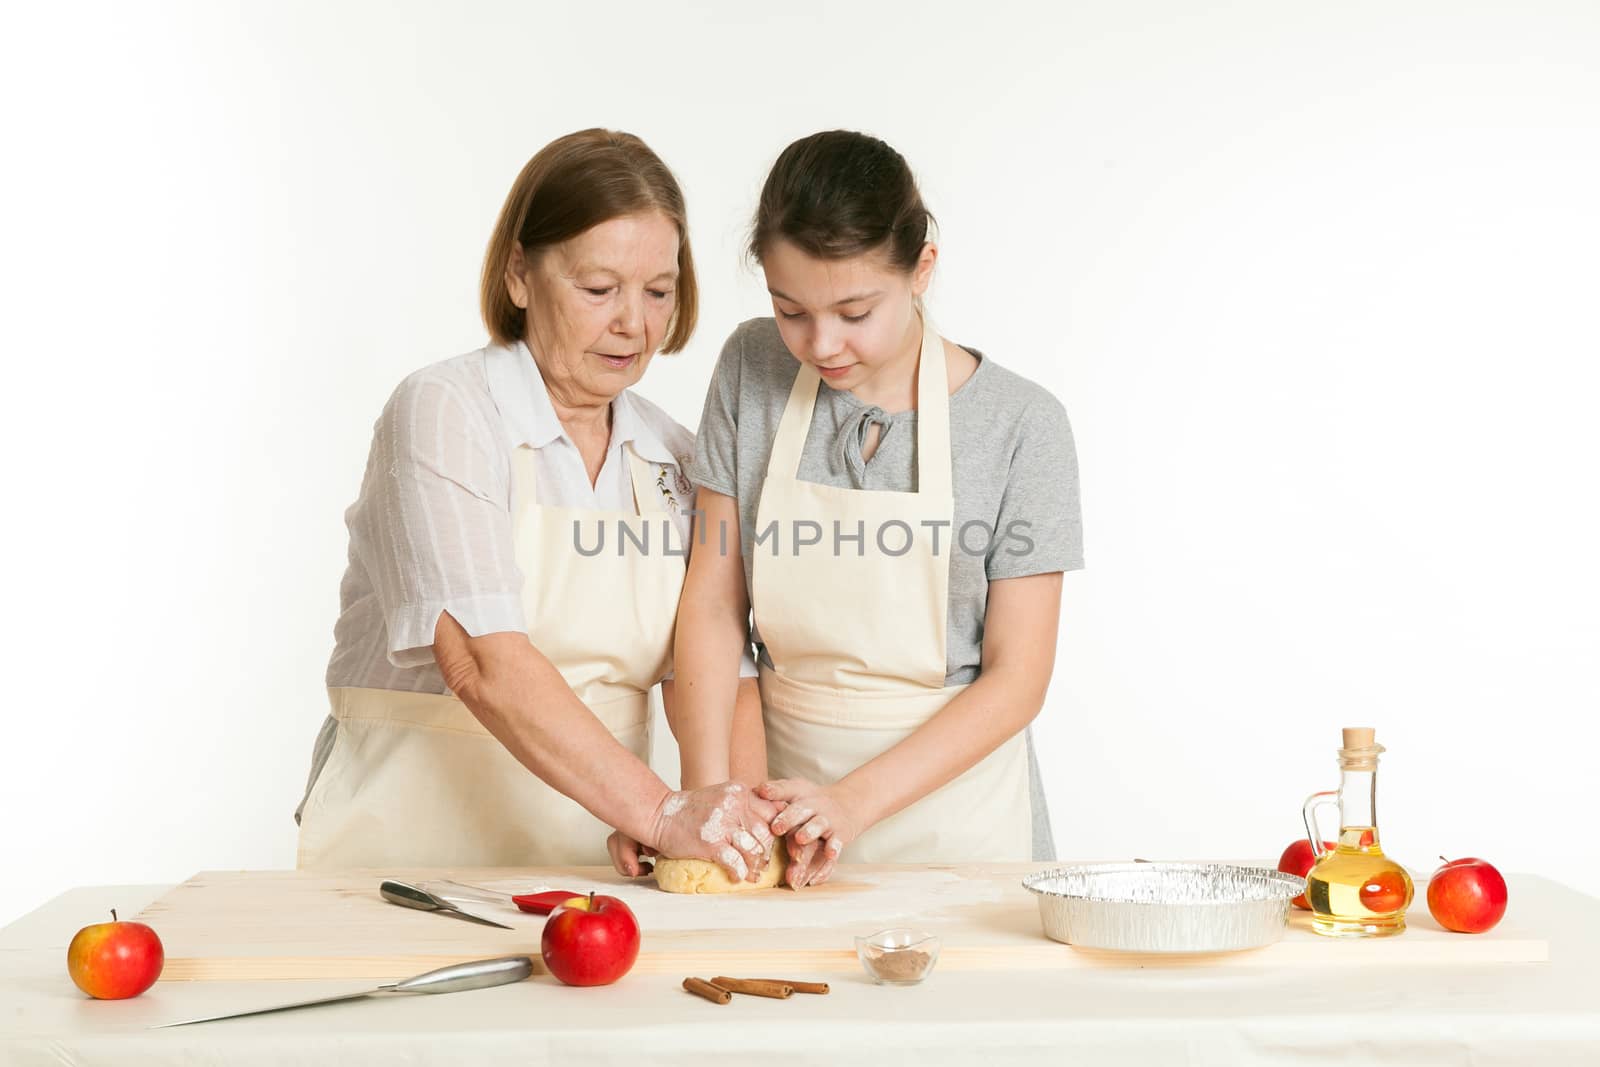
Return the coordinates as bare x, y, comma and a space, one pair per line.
702, 988
755, 987
797, 985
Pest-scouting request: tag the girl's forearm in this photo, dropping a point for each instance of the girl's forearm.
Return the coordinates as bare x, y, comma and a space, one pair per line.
706, 671
977, 721
748, 760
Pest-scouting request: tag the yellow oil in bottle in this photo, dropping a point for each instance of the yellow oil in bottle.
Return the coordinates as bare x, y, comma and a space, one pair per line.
1356, 891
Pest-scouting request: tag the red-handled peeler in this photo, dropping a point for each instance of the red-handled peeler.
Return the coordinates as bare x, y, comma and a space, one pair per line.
543, 903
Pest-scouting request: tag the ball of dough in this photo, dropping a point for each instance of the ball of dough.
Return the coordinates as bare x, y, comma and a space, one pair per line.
703, 876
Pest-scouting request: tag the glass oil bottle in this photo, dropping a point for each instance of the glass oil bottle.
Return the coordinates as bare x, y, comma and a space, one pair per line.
1354, 889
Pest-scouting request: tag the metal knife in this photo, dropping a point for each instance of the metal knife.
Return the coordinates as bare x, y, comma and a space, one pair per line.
410, 896
475, 974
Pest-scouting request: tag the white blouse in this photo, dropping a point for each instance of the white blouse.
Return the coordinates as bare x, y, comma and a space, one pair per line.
431, 530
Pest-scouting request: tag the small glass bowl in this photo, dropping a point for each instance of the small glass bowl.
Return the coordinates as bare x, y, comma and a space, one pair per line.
900, 956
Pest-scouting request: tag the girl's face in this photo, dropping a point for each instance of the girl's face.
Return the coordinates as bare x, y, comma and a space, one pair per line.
598, 305
852, 319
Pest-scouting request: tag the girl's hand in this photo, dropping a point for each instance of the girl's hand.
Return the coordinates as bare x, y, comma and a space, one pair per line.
628, 856
817, 823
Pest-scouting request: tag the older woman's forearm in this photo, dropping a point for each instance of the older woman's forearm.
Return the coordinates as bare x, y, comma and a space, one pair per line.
709, 642
525, 703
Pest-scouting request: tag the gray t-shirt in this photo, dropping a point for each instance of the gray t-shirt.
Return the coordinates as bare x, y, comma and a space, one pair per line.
1015, 471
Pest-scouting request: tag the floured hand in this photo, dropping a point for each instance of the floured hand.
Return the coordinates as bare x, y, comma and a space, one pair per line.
816, 824
726, 824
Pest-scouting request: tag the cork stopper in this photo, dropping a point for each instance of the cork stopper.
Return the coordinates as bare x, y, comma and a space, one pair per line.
1360, 751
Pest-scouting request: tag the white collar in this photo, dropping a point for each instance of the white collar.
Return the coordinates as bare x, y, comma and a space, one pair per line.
518, 390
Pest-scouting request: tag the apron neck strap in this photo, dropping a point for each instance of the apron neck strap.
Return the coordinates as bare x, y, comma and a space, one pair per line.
790, 440
933, 414
933, 418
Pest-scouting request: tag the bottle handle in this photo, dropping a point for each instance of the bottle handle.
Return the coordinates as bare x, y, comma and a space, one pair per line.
1326, 798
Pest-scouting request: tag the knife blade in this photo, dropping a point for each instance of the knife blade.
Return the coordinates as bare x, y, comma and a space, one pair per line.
410, 896
474, 974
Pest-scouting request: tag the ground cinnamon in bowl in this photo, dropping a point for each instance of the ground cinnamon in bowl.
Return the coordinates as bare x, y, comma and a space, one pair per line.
902, 966
898, 957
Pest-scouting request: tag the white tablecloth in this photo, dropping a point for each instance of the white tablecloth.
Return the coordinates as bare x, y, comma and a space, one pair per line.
1521, 1014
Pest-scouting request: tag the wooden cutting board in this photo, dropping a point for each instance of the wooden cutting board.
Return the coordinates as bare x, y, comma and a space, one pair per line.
257, 925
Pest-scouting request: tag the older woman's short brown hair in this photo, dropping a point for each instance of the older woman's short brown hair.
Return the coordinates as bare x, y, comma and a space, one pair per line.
573, 183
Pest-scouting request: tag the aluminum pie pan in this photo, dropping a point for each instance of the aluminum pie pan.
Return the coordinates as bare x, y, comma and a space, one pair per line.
1165, 907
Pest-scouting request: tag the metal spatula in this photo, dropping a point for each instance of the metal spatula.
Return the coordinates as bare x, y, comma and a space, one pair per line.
475, 974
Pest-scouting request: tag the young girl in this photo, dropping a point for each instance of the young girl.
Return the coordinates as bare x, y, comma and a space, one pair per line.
896, 511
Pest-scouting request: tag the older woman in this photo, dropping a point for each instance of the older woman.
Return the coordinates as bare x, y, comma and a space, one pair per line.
489, 682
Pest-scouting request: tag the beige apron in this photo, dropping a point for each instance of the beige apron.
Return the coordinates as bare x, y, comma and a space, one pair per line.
855, 629
415, 780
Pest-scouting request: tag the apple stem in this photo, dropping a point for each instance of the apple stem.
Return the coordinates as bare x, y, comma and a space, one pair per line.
1443, 860
113, 914
591, 900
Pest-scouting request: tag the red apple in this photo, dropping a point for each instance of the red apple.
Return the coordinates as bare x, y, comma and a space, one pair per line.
115, 960
590, 940
1467, 895
1298, 859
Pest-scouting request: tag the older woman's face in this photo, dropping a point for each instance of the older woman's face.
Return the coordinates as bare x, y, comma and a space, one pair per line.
598, 305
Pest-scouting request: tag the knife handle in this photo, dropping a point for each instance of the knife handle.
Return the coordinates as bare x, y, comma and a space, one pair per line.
475, 974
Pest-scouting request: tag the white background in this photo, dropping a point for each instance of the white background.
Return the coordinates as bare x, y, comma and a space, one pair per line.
1316, 282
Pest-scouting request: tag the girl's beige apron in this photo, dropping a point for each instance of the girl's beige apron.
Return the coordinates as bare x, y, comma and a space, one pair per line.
415, 780
855, 629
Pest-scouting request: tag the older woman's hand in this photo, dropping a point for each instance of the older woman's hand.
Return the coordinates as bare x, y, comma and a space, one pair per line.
817, 823
727, 824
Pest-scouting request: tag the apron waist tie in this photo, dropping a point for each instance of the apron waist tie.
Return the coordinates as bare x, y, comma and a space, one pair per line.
847, 709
